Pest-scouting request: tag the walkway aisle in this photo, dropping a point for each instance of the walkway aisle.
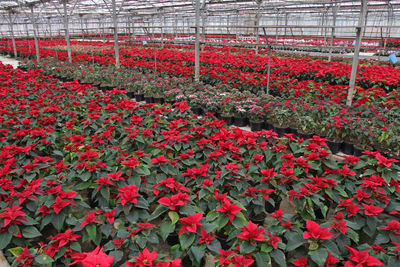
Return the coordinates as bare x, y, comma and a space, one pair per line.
11, 61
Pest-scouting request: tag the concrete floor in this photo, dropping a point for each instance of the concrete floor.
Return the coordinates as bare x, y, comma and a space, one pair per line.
11, 61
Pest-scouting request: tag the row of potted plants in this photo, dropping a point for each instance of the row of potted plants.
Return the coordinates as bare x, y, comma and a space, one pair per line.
245, 71
95, 178
365, 126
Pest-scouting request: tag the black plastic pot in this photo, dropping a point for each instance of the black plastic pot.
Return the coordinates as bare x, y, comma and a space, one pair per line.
148, 99
130, 94
304, 135
227, 119
269, 126
223, 240
240, 121
171, 102
347, 148
358, 151
281, 131
172, 239
334, 146
139, 97
258, 219
197, 110
257, 126
293, 131
159, 100
271, 208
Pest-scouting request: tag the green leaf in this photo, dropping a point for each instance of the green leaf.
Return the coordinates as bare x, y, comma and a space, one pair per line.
263, 259
212, 215
295, 240
331, 164
105, 192
142, 203
30, 232
214, 245
92, 231
186, 239
222, 221
157, 212
197, 252
173, 216
165, 229
143, 171
16, 251
43, 259
279, 257
85, 176
239, 221
58, 220
5, 239
58, 153
247, 247
319, 256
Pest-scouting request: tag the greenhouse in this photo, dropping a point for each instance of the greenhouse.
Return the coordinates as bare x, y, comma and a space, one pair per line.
199, 133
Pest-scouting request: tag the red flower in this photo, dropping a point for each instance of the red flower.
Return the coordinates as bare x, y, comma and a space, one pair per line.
205, 237
252, 232
128, 194
131, 162
174, 201
190, 223
268, 173
372, 210
59, 204
391, 226
160, 159
302, 262
330, 260
145, 258
90, 218
102, 181
95, 258
314, 231
383, 161
229, 209
110, 215
13, 215
361, 258
273, 240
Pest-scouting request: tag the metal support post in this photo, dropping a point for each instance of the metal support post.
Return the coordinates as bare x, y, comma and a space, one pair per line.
197, 44
361, 23
66, 29
334, 15
115, 21
12, 33
35, 34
